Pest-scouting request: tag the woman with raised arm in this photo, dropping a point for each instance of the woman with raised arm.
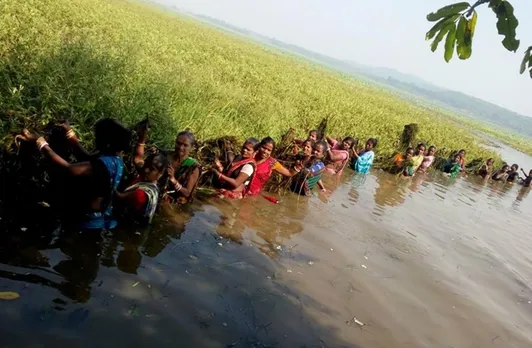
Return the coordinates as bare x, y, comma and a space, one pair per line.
266, 165
96, 180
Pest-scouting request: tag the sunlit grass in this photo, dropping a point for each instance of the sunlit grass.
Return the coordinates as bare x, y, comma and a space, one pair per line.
85, 59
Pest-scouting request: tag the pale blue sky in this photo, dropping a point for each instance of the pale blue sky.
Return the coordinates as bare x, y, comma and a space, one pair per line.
388, 33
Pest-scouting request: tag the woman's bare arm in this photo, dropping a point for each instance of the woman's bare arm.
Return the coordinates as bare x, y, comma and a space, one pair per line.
235, 183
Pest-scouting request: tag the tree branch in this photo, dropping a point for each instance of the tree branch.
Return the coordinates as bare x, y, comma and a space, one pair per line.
475, 5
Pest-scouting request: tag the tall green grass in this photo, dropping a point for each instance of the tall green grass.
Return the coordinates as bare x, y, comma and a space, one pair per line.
85, 59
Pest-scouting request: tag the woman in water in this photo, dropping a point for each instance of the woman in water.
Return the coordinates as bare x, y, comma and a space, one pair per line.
97, 179
486, 169
363, 161
183, 171
338, 154
513, 174
428, 160
234, 180
501, 174
527, 181
310, 176
418, 157
453, 166
265, 165
402, 163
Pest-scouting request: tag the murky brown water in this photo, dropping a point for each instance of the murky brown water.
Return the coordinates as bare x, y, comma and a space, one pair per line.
428, 262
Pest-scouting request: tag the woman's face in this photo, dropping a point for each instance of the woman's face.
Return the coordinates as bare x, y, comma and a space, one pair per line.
307, 148
318, 151
457, 158
183, 146
369, 146
409, 154
152, 174
490, 162
247, 151
505, 169
346, 145
421, 150
432, 151
462, 154
265, 150
313, 136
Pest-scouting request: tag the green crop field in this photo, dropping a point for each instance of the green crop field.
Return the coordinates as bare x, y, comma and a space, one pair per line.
85, 59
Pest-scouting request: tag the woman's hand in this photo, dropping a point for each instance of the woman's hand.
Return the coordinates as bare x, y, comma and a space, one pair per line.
28, 136
171, 174
218, 165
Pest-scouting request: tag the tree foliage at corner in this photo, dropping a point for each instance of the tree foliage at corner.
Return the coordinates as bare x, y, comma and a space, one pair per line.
456, 23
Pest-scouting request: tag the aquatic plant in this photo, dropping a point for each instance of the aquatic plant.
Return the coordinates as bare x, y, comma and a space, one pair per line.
85, 59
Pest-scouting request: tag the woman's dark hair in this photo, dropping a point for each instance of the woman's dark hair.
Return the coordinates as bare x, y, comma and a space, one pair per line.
189, 135
252, 141
505, 166
111, 136
432, 147
464, 151
421, 144
408, 150
158, 161
312, 142
350, 139
317, 132
516, 166
374, 141
323, 145
267, 140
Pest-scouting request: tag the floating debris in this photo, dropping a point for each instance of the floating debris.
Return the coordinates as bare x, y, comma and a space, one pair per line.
365, 257
364, 266
278, 247
220, 244
310, 263
193, 257
23, 229
137, 233
44, 204
332, 249
137, 283
356, 321
224, 324
9, 295
289, 270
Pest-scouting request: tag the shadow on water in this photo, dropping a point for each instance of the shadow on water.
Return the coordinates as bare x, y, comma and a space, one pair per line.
168, 284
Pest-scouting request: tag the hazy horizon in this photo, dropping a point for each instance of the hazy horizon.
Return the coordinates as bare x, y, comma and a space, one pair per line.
339, 28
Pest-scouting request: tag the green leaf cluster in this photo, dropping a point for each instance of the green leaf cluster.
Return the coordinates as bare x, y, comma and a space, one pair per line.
507, 23
457, 26
526, 64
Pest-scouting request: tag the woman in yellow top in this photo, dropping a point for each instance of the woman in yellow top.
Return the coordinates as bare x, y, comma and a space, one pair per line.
418, 157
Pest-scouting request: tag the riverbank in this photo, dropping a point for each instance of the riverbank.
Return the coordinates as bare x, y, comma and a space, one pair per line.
128, 60
384, 262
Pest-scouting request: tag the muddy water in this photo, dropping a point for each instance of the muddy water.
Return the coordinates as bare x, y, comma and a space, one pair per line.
428, 262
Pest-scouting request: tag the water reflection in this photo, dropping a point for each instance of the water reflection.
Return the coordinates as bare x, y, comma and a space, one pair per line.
458, 221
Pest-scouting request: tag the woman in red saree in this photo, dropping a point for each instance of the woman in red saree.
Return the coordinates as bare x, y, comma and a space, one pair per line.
235, 179
265, 165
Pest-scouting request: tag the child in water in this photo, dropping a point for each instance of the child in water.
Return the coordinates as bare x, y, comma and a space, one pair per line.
486, 169
501, 174
418, 158
363, 161
428, 160
462, 154
310, 176
140, 200
453, 166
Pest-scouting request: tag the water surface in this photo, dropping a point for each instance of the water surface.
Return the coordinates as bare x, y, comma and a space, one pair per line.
426, 262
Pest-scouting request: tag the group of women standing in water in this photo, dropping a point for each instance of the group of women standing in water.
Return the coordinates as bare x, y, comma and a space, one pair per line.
107, 189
